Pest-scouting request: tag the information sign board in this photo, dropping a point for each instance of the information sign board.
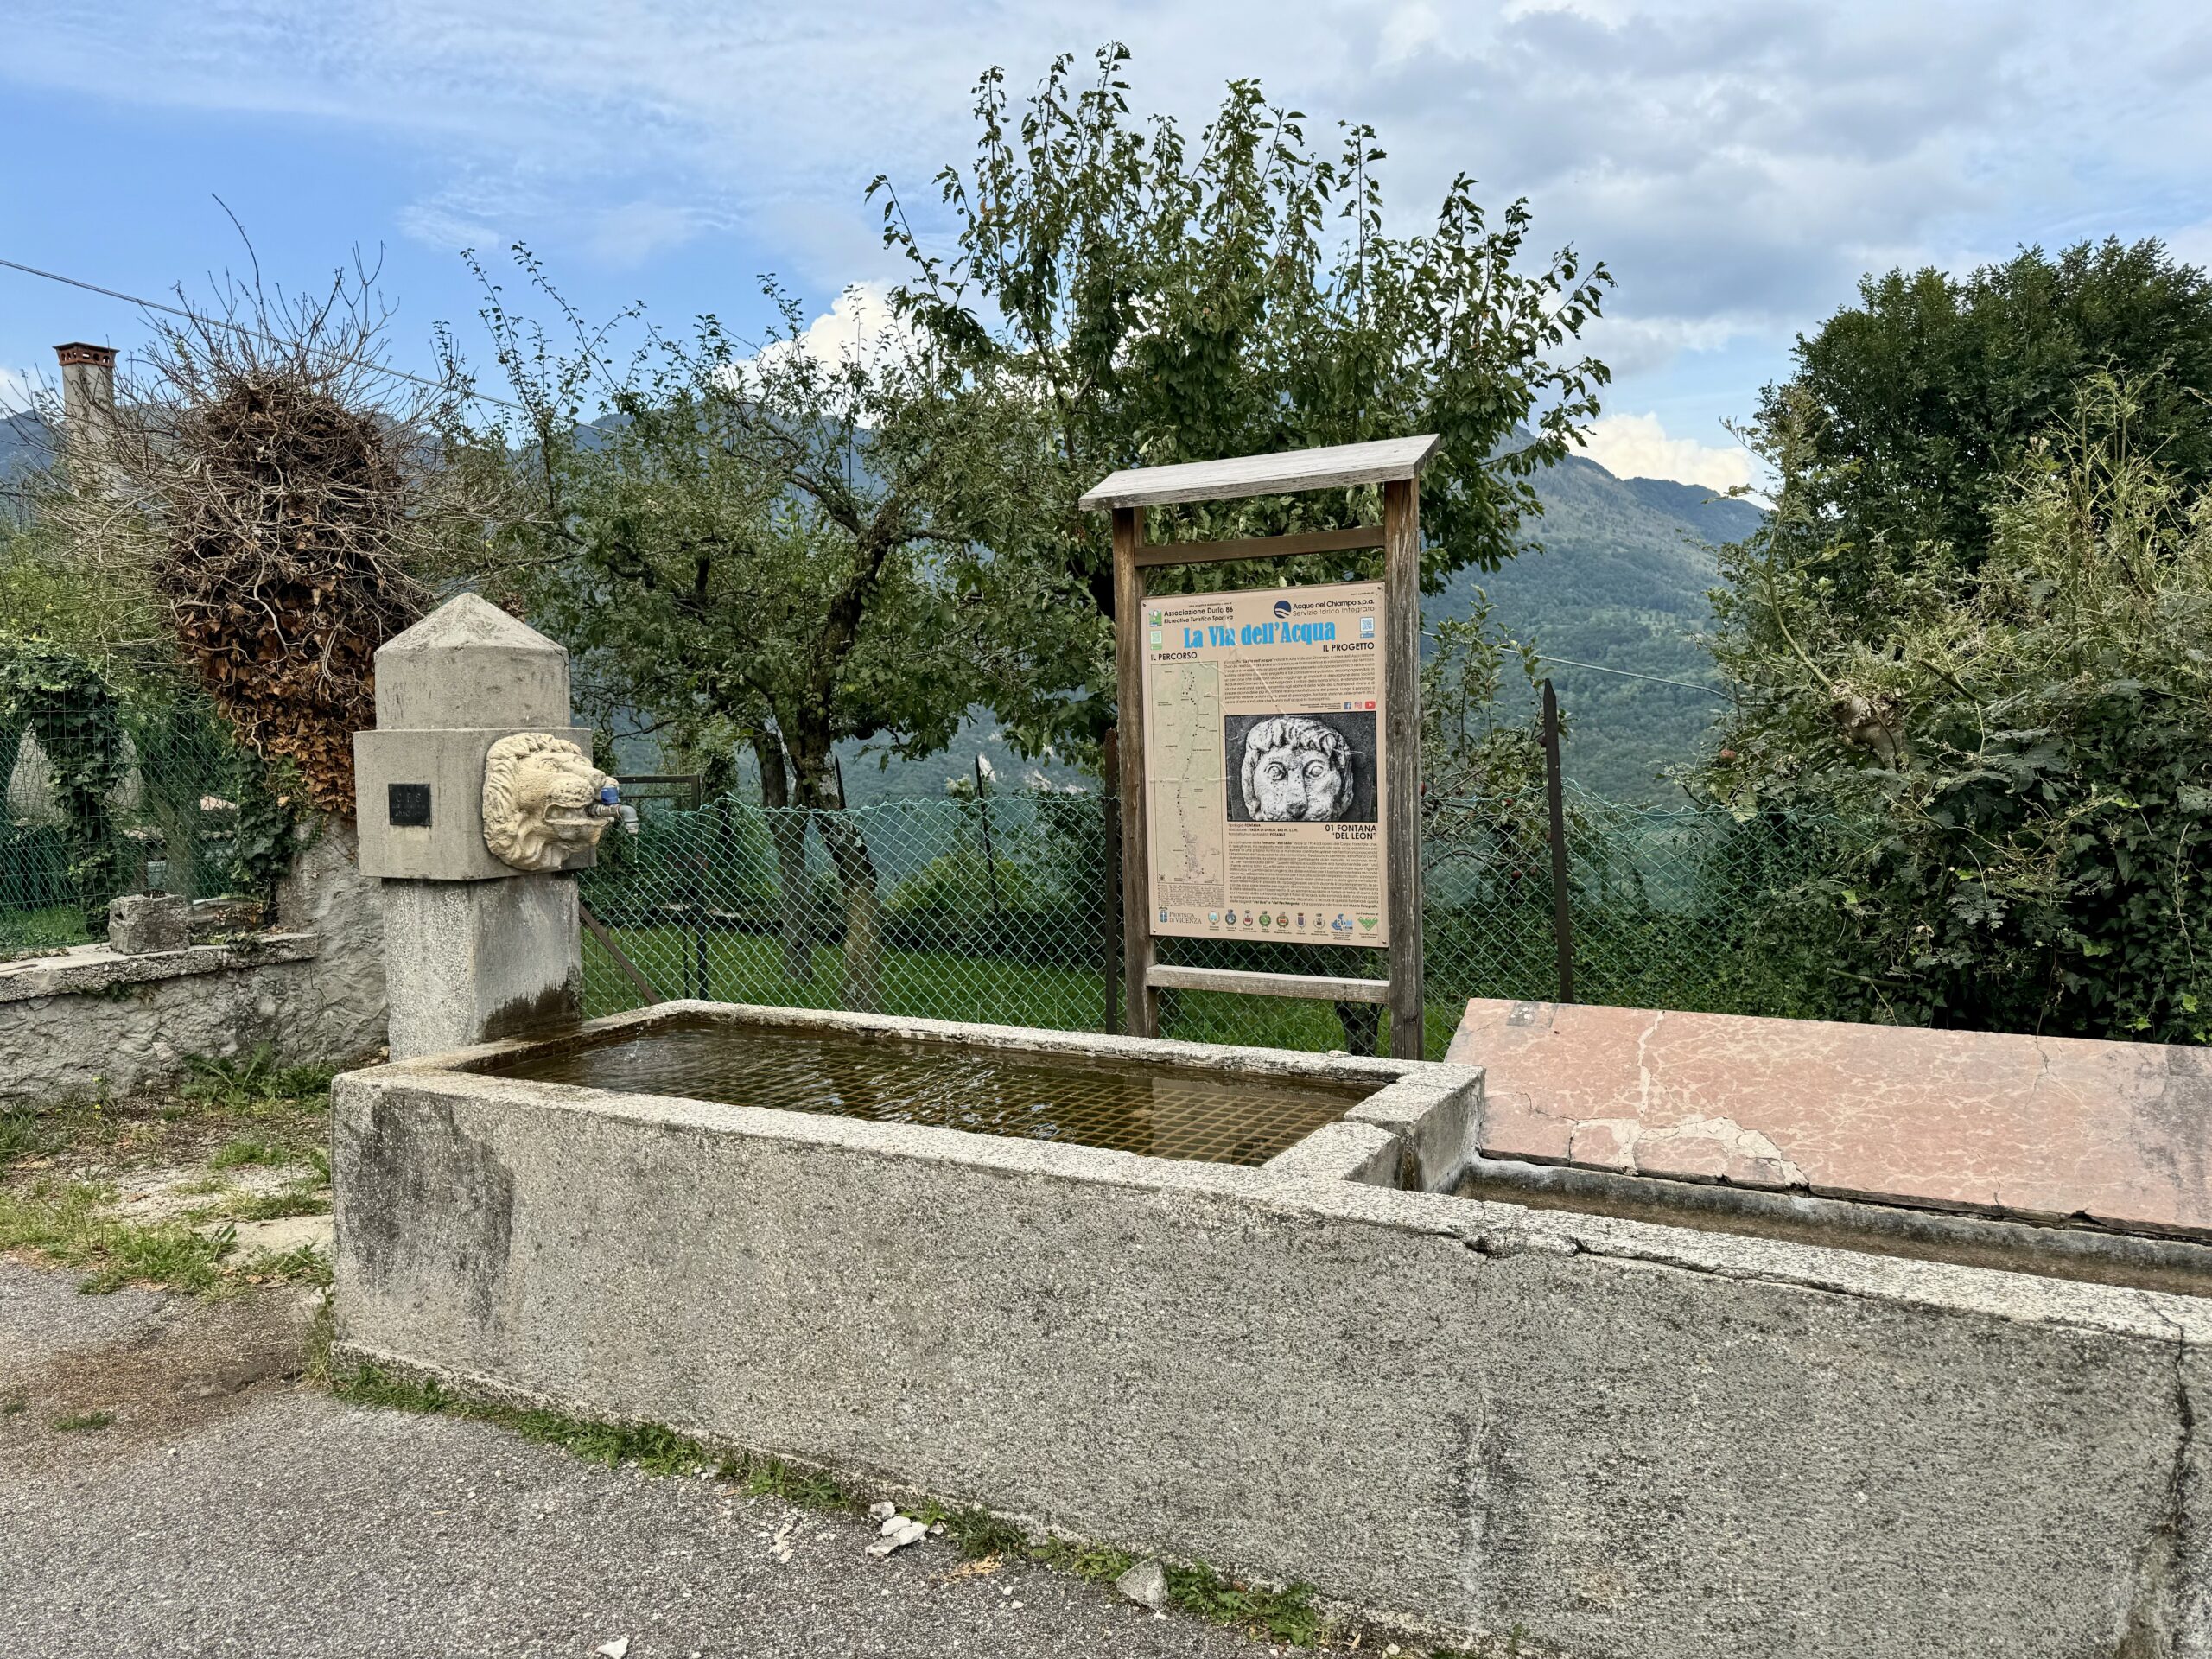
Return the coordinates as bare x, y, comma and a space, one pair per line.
1265, 764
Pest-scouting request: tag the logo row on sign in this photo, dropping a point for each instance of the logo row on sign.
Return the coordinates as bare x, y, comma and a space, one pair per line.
1289, 921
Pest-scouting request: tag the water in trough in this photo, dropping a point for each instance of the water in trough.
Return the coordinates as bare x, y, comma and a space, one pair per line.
1163, 1112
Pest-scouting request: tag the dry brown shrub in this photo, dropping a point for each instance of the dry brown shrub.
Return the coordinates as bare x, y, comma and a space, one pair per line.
290, 503
286, 569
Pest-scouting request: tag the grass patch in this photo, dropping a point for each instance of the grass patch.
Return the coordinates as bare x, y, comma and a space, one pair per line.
13, 1405
302, 1198
42, 932
304, 1264
255, 1085
20, 1136
773, 1478
65, 1223
77, 1421
271, 1114
656, 1450
249, 1149
1286, 1615
648, 1446
322, 1331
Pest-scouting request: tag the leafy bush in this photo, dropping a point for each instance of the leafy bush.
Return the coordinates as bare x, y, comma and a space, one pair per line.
2028, 738
60, 698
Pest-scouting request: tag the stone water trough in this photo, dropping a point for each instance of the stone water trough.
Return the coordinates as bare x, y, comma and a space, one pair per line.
1616, 1436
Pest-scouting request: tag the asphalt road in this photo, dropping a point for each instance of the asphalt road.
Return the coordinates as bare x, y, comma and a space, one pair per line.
230, 1509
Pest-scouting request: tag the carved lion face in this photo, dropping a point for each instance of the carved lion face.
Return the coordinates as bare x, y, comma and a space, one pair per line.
539, 796
1296, 771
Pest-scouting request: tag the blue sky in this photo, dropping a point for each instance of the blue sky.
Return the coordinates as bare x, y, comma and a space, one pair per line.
1738, 163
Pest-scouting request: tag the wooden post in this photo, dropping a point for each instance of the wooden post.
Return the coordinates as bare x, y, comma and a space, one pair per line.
1140, 1001
1401, 752
1555, 801
1110, 898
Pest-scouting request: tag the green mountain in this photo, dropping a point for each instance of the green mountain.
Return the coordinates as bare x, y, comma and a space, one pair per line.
1620, 583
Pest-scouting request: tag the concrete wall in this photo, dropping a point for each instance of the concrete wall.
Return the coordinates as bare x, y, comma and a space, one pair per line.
86, 1021
1620, 1439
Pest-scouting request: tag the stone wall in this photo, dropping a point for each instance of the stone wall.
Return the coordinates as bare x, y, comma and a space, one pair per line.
87, 1022
1616, 1439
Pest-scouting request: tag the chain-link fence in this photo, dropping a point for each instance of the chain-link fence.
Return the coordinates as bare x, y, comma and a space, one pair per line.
1002, 909
105, 794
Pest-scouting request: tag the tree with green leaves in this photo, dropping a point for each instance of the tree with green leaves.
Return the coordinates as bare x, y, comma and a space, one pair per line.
2009, 762
713, 531
1117, 295
1910, 414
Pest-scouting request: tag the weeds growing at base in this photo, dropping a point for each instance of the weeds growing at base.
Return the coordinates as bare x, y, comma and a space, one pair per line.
1286, 1615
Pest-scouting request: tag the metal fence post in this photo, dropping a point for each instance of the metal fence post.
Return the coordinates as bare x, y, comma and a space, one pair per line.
1554, 799
983, 811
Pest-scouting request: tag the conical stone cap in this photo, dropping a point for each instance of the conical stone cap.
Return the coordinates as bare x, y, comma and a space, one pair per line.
468, 665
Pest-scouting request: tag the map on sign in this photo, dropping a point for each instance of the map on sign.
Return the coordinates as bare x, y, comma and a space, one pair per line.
1186, 798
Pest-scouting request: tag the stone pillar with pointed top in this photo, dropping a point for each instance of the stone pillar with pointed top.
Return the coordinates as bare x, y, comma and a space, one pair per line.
475, 949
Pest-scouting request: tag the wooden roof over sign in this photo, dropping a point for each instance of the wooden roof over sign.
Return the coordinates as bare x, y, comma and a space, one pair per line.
1339, 465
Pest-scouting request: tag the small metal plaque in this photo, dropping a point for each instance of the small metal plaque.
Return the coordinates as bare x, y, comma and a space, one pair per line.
408, 806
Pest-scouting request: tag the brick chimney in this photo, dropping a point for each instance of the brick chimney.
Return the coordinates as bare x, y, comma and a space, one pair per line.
87, 399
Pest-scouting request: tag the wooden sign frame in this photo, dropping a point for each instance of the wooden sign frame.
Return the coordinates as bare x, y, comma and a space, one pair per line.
1395, 464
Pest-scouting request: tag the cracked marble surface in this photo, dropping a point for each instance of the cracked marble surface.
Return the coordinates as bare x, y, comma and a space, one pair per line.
2042, 1128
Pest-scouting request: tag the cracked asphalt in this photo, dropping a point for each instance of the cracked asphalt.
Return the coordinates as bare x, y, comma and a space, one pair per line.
230, 1509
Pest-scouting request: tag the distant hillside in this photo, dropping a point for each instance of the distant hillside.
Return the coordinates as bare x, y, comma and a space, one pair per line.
23, 450
1621, 581
1716, 517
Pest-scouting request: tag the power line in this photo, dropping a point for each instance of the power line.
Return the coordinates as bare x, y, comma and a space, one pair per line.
240, 329
1630, 674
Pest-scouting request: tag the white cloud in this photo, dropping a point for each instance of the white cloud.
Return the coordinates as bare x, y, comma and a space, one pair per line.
1611, 13
628, 235
1631, 345
1638, 446
1408, 31
858, 327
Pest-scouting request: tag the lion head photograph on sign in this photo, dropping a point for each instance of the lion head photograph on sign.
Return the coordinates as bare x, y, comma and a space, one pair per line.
1300, 768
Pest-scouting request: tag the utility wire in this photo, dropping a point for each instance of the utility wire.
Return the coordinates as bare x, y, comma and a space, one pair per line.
238, 328
1630, 674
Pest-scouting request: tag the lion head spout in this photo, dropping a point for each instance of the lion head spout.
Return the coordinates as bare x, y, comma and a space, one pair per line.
542, 806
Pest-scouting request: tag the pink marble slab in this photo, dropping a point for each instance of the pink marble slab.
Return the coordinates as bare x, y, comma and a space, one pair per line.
2051, 1127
